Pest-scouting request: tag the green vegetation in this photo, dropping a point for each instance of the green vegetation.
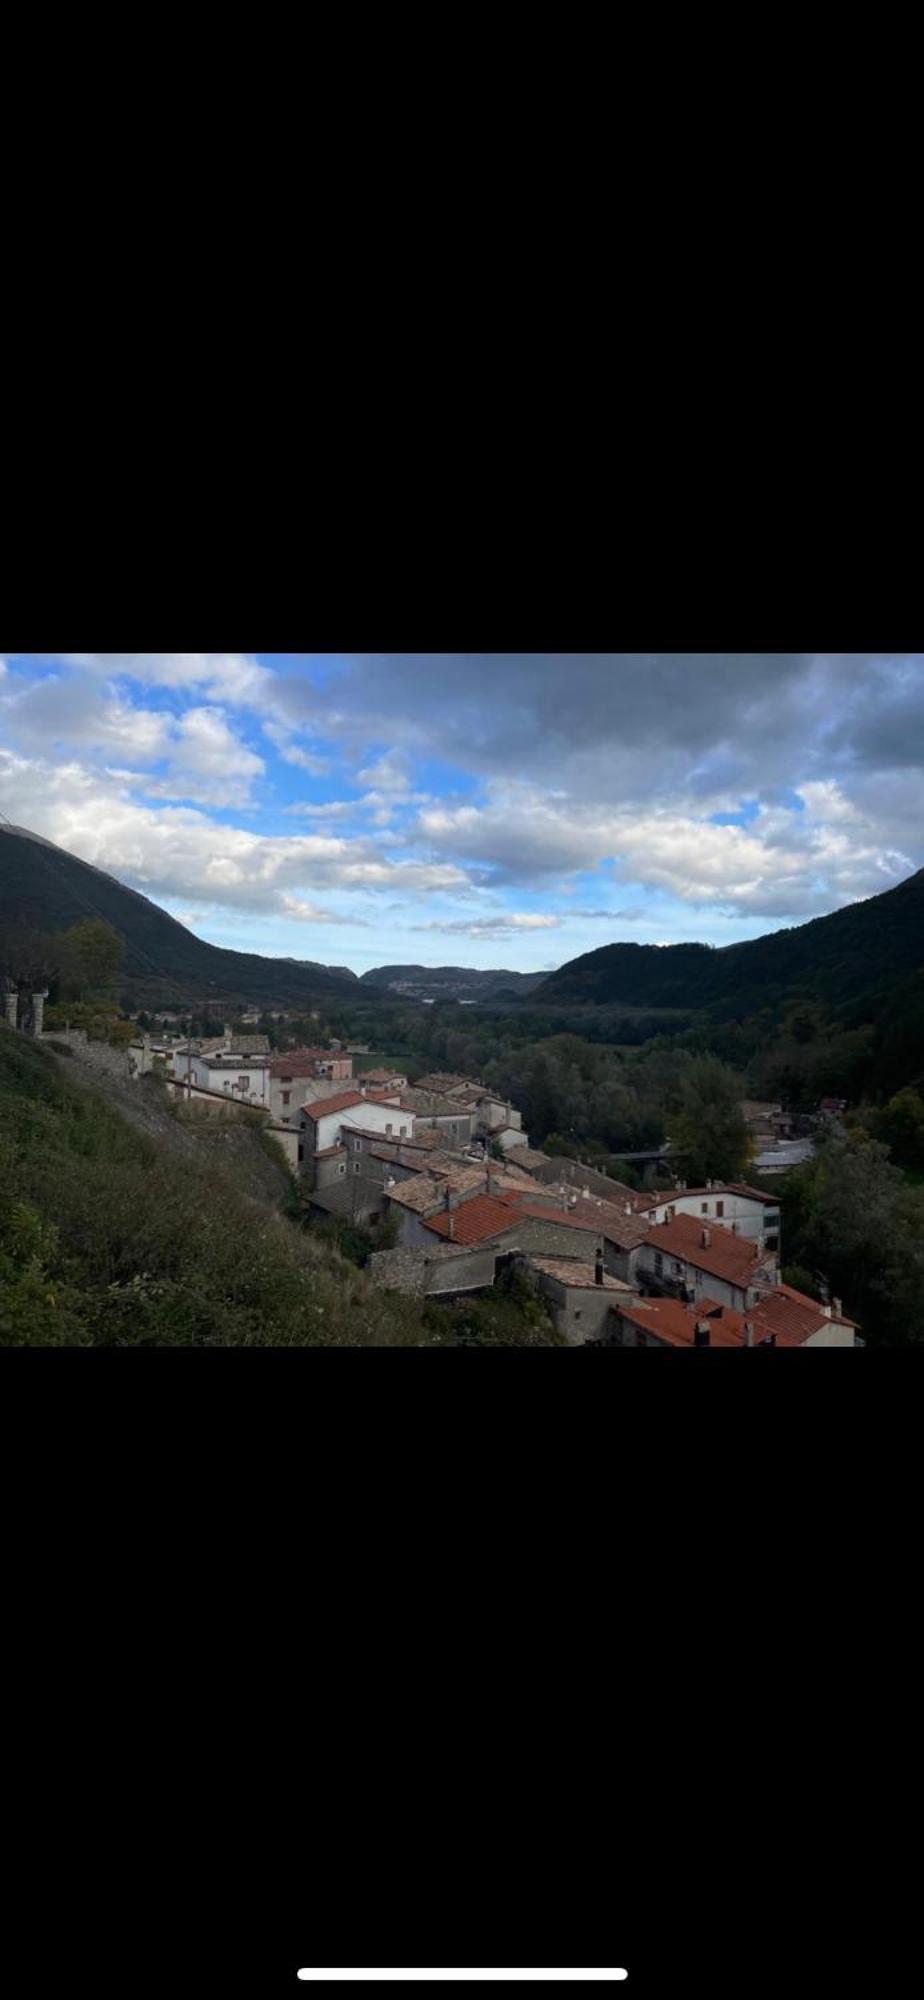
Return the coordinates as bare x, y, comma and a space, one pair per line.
110, 1239
509, 1316
850, 1219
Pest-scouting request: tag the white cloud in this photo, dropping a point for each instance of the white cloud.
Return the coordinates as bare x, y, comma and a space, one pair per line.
309, 913
178, 851
232, 677
209, 763
487, 927
294, 753
786, 862
388, 774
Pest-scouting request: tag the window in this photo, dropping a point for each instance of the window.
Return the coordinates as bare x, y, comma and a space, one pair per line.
342, 1167
772, 1242
287, 1097
356, 1166
720, 1208
388, 1130
578, 1314
659, 1263
678, 1268
704, 1208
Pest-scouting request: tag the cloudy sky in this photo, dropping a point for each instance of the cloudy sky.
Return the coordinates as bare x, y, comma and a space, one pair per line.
475, 809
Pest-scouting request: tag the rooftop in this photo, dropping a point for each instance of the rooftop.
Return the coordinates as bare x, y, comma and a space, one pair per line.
324, 1106
474, 1221
572, 1272
443, 1081
675, 1323
427, 1103
723, 1255
662, 1195
792, 1316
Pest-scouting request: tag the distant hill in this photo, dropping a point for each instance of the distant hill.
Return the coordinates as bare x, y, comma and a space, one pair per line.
45, 888
855, 953
451, 982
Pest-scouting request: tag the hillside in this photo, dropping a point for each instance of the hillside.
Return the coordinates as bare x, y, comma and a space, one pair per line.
44, 888
451, 982
167, 1235
853, 954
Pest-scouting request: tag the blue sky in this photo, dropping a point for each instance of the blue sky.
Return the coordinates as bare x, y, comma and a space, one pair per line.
477, 809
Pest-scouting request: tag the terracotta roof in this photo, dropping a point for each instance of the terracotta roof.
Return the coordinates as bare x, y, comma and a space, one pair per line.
793, 1317
474, 1221
733, 1258
299, 1062
379, 1075
325, 1105
675, 1323
572, 1272
326, 1153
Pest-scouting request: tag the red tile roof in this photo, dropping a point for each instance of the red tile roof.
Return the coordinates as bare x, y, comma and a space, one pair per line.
726, 1256
474, 1221
793, 1317
675, 1323
325, 1105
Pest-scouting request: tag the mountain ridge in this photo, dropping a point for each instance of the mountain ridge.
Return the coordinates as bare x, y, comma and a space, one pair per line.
45, 887
860, 949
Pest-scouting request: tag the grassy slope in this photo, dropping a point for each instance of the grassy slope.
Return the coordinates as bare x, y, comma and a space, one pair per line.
109, 1237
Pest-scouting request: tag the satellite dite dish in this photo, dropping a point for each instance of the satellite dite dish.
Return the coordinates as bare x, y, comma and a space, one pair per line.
469, 1974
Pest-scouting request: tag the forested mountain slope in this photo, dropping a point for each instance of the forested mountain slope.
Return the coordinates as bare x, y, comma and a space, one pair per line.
44, 888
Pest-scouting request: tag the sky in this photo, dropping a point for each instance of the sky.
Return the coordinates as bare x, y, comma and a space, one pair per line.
484, 809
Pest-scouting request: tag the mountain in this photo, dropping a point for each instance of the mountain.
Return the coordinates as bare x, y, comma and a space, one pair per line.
854, 954
44, 888
451, 982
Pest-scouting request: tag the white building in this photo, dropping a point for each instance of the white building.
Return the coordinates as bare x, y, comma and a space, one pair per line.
744, 1210
241, 1077
681, 1258
322, 1123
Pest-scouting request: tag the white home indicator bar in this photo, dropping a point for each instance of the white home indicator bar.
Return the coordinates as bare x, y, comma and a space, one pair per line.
467, 1973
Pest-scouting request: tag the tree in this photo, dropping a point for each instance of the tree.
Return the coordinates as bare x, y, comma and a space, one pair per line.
707, 1128
92, 957
900, 1125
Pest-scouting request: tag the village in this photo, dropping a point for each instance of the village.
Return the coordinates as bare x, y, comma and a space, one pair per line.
442, 1172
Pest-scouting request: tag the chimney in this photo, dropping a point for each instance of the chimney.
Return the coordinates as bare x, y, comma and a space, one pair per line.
598, 1268
827, 1311
749, 1333
701, 1333
706, 1238
838, 1308
628, 1208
